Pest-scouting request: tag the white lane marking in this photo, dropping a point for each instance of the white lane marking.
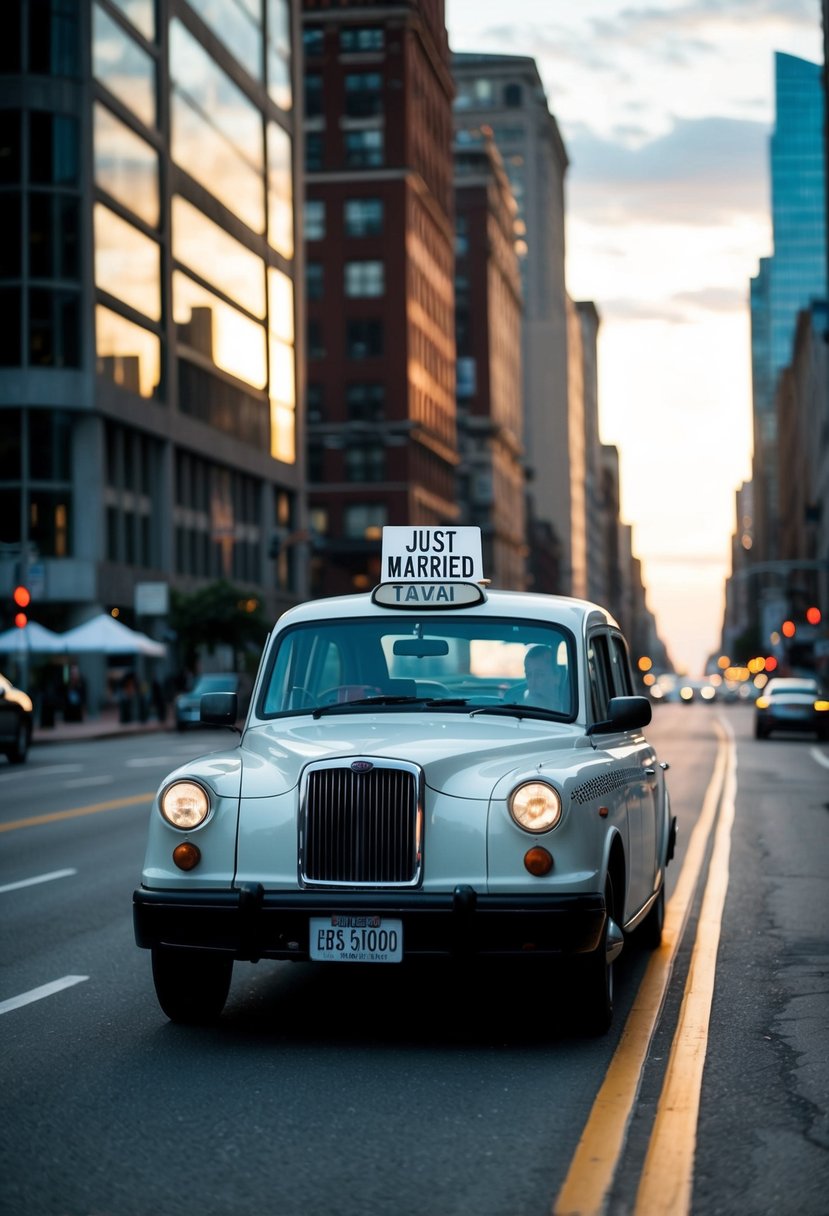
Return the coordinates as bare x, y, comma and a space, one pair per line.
31, 882
818, 755
82, 781
33, 771
37, 994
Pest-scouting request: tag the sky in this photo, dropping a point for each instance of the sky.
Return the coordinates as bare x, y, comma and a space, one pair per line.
666, 109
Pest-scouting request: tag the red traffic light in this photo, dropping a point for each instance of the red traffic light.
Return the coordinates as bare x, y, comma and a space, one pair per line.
21, 620
789, 629
813, 615
22, 597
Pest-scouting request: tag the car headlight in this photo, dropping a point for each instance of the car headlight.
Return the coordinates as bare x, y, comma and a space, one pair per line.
762, 702
535, 806
822, 707
184, 805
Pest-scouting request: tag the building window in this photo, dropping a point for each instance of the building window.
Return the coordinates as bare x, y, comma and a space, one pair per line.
126, 166
315, 461
124, 67
364, 149
314, 151
365, 401
314, 219
363, 216
362, 518
313, 94
280, 190
54, 328
54, 236
217, 133
313, 41
54, 153
363, 94
363, 338
127, 354
11, 329
513, 95
53, 37
364, 280
280, 88
315, 399
238, 30
127, 263
202, 246
314, 282
365, 462
362, 38
316, 340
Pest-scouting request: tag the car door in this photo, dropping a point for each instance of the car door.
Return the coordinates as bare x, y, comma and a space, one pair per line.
610, 677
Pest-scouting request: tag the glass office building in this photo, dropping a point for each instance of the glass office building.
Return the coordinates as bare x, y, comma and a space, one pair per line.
149, 355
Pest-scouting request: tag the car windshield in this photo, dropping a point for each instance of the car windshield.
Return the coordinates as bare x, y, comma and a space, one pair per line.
457, 664
807, 688
214, 683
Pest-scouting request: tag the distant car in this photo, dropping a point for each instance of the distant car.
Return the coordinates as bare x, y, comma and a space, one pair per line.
188, 704
16, 720
791, 703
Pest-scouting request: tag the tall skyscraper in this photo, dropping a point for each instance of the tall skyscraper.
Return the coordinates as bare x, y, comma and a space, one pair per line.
794, 275
505, 93
382, 440
148, 369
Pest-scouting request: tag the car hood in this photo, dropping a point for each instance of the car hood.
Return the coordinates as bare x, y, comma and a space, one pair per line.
461, 756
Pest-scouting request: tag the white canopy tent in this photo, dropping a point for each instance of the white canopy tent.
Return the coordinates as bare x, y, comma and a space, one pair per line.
104, 635
31, 639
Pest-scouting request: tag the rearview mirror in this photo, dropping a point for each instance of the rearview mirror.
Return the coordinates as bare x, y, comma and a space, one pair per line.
421, 648
219, 708
623, 713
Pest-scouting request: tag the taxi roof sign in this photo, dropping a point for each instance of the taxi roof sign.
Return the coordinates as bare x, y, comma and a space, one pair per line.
436, 555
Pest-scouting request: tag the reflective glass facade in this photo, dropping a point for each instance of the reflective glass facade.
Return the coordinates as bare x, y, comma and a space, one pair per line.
148, 291
798, 266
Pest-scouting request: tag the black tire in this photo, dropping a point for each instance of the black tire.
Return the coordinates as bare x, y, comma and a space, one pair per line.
760, 732
650, 931
596, 980
191, 985
18, 752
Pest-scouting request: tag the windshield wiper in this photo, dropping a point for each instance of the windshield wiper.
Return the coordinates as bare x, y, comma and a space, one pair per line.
521, 711
386, 699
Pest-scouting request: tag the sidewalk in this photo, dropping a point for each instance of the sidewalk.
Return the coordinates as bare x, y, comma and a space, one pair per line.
106, 725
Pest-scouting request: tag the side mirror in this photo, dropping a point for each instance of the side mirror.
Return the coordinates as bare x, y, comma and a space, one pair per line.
623, 713
219, 708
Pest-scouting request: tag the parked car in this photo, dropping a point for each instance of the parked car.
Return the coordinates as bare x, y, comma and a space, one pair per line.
791, 703
400, 791
16, 722
188, 704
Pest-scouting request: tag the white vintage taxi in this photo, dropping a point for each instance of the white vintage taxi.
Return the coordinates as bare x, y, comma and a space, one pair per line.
431, 769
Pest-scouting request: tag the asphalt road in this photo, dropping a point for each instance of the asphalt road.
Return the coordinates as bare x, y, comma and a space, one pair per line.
368, 1092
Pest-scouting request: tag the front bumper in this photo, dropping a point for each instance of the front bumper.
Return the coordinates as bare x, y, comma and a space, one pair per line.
251, 923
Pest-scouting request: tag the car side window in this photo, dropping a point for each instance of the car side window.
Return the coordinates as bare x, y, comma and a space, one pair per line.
600, 675
620, 667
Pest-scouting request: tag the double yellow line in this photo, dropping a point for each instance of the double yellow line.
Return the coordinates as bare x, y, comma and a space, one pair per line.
113, 804
666, 1183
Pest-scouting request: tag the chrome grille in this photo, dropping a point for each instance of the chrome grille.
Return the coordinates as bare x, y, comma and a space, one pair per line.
361, 828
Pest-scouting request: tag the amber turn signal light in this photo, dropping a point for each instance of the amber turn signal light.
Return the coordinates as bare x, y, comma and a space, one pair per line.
187, 856
538, 861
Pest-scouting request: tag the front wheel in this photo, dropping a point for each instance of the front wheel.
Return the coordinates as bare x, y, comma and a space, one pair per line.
191, 985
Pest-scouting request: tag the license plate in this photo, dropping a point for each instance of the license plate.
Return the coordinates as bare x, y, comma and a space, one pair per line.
355, 939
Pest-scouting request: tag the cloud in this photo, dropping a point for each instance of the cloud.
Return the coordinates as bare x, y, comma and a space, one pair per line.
704, 172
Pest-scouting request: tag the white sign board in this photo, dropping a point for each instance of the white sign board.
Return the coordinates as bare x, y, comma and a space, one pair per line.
152, 599
436, 555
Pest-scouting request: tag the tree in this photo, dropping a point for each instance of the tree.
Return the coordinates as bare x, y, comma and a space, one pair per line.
219, 614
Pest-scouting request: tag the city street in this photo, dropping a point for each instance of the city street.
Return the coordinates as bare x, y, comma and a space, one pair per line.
371, 1091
